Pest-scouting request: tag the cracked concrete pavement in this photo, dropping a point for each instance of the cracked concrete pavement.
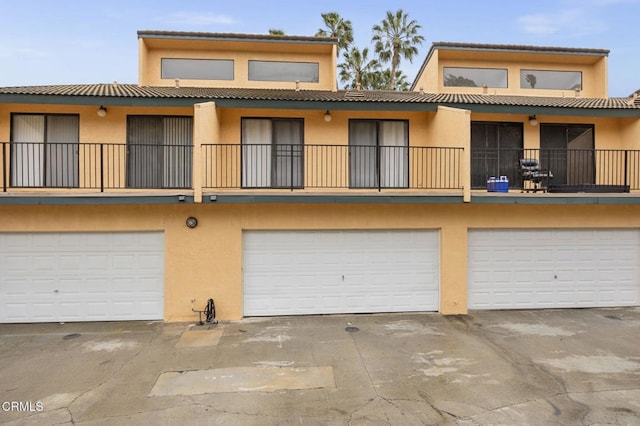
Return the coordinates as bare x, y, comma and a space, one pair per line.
579, 366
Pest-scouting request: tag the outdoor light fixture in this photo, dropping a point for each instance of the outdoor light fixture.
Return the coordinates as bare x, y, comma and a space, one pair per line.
533, 120
102, 111
327, 116
191, 222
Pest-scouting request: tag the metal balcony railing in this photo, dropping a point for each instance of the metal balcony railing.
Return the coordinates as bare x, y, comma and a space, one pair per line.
570, 167
255, 166
95, 165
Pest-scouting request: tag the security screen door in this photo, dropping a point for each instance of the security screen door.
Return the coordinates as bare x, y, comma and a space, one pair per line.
567, 150
495, 151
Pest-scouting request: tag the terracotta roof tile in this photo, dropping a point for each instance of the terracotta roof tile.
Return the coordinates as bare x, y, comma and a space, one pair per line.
346, 96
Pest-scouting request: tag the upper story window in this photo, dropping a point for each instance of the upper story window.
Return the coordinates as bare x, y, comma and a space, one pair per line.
475, 77
197, 69
559, 80
307, 72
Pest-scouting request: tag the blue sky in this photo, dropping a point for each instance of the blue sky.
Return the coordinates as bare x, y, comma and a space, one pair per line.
73, 42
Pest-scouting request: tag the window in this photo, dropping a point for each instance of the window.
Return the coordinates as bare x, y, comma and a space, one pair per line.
272, 152
475, 77
44, 150
560, 80
307, 72
197, 69
378, 154
567, 151
495, 151
159, 152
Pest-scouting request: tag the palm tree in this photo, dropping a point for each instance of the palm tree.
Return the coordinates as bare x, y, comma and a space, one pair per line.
338, 28
275, 31
356, 71
381, 80
396, 38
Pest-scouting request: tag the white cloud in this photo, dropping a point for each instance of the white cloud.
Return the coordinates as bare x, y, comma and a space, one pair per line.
199, 19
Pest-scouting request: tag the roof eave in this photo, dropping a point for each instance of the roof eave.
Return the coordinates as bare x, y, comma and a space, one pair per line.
171, 35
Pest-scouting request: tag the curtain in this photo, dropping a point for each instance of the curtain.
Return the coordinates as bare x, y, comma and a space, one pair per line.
27, 150
256, 153
362, 154
177, 142
61, 151
288, 157
394, 154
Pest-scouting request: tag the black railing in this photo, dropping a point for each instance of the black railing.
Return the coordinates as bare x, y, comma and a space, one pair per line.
569, 167
104, 166
95, 165
235, 166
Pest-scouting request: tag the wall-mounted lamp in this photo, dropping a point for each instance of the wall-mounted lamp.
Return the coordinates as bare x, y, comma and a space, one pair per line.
533, 120
327, 116
102, 111
191, 222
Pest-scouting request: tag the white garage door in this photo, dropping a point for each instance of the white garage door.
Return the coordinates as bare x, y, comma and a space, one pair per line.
320, 272
535, 268
49, 277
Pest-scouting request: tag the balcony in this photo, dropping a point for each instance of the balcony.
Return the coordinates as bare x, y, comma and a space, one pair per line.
134, 169
574, 170
331, 167
94, 166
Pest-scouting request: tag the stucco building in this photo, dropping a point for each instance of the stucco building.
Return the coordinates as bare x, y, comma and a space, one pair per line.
236, 170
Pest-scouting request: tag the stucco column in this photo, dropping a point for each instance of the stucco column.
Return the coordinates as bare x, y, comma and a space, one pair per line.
452, 128
453, 272
206, 130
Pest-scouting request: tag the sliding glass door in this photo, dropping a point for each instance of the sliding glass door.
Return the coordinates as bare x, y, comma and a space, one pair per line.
272, 153
159, 152
44, 150
378, 154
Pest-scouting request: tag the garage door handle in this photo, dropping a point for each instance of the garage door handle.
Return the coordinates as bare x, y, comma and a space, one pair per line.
56, 291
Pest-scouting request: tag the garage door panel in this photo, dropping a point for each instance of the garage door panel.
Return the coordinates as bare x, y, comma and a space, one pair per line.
562, 268
81, 276
339, 271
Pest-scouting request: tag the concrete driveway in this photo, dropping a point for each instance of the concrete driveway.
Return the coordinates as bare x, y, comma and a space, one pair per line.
579, 366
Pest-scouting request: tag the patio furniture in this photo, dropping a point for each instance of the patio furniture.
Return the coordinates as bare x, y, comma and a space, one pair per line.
530, 171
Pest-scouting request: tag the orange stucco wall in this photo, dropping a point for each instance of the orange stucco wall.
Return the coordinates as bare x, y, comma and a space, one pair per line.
207, 261
151, 53
593, 69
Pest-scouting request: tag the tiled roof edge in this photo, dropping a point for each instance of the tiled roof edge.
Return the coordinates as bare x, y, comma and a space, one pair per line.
234, 37
520, 47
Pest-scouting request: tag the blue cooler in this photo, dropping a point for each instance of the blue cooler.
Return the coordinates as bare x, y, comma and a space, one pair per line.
500, 184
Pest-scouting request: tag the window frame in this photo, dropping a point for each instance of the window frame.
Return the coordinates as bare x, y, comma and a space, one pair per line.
523, 70
552, 158
378, 172
256, 61
128, 147
512, 173
162, 68
273, 153
506, 71
13, 152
